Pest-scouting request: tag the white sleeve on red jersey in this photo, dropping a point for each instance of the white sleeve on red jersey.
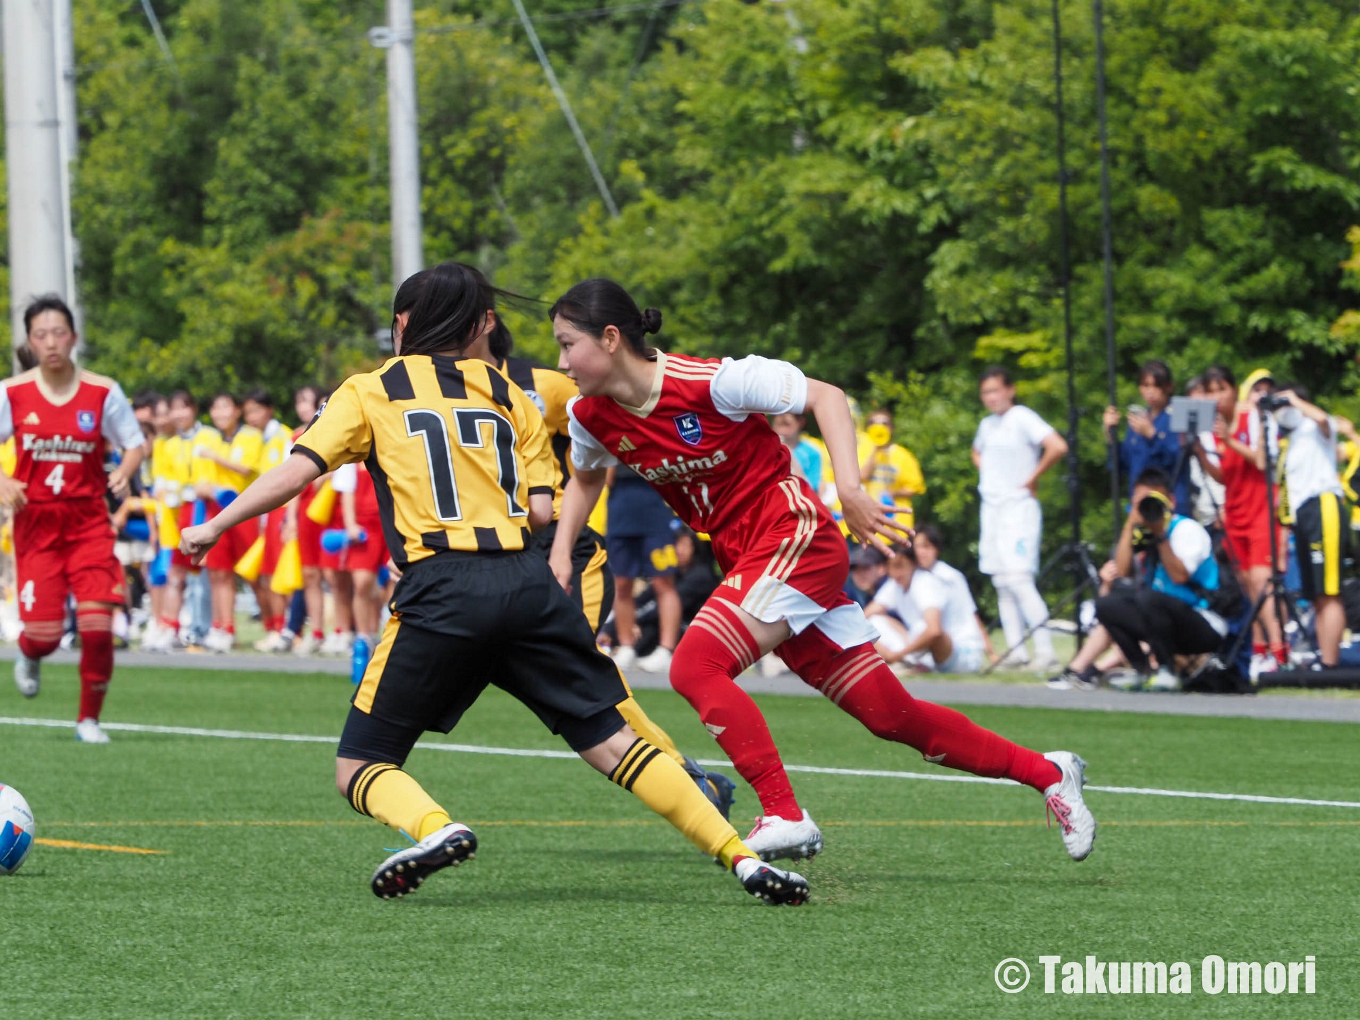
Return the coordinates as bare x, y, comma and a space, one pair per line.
756, 385
345, 479
6, 415
120, 424
587, 452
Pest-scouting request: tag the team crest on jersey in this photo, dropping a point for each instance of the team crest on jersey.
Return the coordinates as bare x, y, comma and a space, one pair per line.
689, 428
85, 420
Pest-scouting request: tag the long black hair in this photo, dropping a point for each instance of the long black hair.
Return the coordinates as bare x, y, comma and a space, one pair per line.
592, 305
447, 305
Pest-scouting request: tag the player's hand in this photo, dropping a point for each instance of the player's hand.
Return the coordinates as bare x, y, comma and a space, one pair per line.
561, 569
196, 540
870, 522
118, 484
12, 493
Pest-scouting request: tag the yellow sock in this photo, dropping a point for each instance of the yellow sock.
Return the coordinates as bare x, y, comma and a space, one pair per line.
649, 731
668, 790
383, 791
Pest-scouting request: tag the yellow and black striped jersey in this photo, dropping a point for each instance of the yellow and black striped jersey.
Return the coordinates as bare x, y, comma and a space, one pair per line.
550, 391
454, 450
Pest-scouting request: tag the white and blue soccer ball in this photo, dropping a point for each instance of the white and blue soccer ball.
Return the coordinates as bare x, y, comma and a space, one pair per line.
16, 830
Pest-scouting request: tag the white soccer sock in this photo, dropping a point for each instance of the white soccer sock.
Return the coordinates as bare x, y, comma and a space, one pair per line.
1035, 612
1008, 606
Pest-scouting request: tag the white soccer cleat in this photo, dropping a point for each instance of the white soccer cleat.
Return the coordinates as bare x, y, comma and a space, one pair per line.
88, 731
274, 641
27, 675
219, 640
403, 872
339, 643
775, 837
624, 656
657, 661
1065, 801
307, 644
775, 886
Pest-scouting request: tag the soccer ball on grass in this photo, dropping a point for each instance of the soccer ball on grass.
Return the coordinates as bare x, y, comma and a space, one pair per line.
16, 830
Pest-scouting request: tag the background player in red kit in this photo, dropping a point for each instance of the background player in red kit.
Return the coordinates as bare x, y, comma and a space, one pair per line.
61, 417
696, 430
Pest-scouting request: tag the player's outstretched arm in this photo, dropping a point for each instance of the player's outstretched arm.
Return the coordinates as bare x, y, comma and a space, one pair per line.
268, 492
865, 518
579, 497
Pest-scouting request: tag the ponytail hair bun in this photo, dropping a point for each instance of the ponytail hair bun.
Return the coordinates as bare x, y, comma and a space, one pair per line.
594, 305
651, 320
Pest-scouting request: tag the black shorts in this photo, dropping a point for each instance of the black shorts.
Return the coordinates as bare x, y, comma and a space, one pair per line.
1322, 543
592, 582
462, 621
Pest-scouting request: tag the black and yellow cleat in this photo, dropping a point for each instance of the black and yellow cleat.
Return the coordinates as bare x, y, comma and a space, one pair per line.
775, 886
406, 869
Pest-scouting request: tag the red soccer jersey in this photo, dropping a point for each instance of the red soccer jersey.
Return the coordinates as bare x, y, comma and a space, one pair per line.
60, 447
1244, 501
701, 439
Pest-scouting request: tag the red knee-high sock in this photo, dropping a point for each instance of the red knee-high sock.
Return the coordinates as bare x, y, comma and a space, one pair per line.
96, 659
715, 648
38, 648
860, 682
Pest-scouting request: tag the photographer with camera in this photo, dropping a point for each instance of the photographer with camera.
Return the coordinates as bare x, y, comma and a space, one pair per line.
1169, 611
1321, 528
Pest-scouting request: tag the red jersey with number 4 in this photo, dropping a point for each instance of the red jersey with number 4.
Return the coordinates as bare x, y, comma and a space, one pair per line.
60, 446
701, 439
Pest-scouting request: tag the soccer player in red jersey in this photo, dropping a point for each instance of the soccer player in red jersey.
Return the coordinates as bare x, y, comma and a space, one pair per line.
696, 429
61, 418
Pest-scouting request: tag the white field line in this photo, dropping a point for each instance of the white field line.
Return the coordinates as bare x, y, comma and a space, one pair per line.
521, 752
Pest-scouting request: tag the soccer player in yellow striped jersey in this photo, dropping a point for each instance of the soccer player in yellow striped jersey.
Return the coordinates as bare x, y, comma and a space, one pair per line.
257, 408
462, 466
592, 582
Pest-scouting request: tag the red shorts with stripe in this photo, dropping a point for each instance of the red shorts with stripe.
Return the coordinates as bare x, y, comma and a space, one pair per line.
273, 540
61, 548
234, 543
186, 520
371, 553
785, 559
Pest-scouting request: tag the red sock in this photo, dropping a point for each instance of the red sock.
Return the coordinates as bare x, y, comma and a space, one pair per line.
1281, 653
714, 649
36, 649
1258, 648
319, 635
171, 624
230, 628
860, 682
96, 659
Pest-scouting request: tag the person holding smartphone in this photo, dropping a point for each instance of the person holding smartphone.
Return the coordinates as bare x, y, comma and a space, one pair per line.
1149, 441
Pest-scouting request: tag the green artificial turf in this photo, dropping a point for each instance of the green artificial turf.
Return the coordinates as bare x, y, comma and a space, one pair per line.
579, 904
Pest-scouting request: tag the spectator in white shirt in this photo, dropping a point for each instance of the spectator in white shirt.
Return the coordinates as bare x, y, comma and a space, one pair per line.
927, 543
1321, 524
938, 626
1012, 450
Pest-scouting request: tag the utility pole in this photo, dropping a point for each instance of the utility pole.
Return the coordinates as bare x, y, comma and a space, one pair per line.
398, 39
69, 134
37, 234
